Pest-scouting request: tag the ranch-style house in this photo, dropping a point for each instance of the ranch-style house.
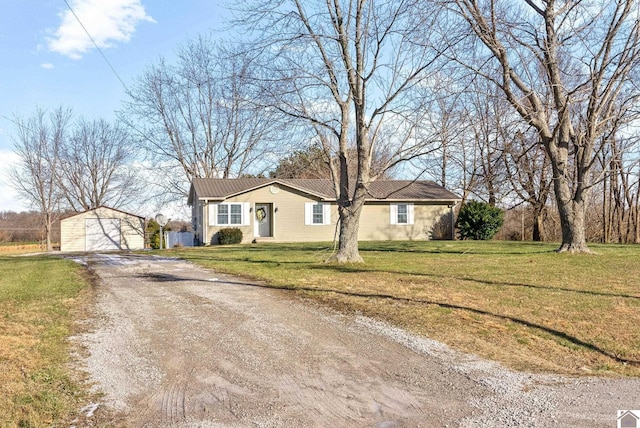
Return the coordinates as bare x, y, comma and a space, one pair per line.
305, 210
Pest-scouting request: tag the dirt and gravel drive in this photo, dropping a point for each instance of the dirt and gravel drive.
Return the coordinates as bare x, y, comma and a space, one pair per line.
175, 345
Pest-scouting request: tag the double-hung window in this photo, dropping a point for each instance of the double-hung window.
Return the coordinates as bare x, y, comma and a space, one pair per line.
401, 213
317, 213
223, 214
229, 214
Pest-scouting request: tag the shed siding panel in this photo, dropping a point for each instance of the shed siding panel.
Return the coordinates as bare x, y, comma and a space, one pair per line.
72, 234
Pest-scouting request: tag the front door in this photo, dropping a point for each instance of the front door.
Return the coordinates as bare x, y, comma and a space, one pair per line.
263, 220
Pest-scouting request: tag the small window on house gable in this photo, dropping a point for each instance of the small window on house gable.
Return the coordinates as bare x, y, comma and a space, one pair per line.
401, 213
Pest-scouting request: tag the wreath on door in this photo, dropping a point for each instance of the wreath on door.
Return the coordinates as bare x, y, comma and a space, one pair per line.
261, 213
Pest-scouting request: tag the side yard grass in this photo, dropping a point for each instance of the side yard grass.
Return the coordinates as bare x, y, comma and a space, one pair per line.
39, 298
518, 303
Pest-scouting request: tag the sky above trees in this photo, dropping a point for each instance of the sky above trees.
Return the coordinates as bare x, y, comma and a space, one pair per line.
48, 60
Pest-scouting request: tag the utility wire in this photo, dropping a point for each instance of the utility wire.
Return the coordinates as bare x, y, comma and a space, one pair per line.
96, 45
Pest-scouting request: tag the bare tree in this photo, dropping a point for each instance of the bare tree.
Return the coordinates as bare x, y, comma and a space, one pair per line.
96, 166
349, 71
528, 171
38, 141
567, 67
447, 117
196, 118
491, 126
620, 187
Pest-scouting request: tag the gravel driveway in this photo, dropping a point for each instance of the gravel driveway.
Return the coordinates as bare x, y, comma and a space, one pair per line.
175, 345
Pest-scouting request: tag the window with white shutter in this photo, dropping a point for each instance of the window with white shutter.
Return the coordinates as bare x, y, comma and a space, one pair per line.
401, 214
229, 214
317, 213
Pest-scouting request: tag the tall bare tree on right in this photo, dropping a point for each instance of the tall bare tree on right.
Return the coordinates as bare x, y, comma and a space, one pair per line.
567, 67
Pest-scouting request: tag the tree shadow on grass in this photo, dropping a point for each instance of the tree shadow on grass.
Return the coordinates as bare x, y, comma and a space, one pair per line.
357, 269
554, 332
458, 247
161, 277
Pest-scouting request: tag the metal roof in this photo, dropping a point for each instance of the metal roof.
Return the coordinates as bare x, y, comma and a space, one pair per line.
65, 216
383, 190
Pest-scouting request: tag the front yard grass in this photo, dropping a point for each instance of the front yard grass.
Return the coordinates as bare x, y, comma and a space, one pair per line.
39, 298
518, 303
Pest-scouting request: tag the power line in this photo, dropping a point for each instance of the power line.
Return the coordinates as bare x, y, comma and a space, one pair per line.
96, 45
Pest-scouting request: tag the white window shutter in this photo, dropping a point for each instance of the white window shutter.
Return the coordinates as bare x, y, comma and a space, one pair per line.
409, 213
246, 217
326, 213
393, 214
213, 214
308, 213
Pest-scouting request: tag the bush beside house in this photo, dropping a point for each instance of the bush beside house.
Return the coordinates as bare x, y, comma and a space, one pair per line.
479, 220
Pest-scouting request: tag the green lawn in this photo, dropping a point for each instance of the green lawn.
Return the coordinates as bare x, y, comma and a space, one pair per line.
39, 299
518, 303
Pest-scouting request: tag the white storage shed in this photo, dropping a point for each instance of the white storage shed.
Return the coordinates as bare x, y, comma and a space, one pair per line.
102, 229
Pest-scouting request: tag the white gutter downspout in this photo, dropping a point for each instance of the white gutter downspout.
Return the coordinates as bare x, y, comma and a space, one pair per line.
205, 222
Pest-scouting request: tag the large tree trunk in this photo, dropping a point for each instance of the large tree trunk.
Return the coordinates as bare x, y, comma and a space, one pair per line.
348, 242
571, 201
538, 224
572, 215
572, 223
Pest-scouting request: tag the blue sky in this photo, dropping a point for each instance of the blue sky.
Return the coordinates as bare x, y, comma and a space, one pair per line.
49, 61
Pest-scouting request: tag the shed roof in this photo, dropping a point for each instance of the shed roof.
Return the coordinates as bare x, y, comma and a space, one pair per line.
103, 207
390, 190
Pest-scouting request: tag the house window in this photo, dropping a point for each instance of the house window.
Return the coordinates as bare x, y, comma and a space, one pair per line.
223, 214
401, 214
236, 214
317, 213
403, 217
232, 214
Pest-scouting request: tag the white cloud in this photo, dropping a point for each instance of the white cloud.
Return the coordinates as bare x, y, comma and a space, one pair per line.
108, 22
47, 66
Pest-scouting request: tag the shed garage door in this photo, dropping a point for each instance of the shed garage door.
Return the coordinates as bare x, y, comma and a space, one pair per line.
102, 234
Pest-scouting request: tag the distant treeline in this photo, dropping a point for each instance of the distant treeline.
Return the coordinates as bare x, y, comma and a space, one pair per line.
21, 227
